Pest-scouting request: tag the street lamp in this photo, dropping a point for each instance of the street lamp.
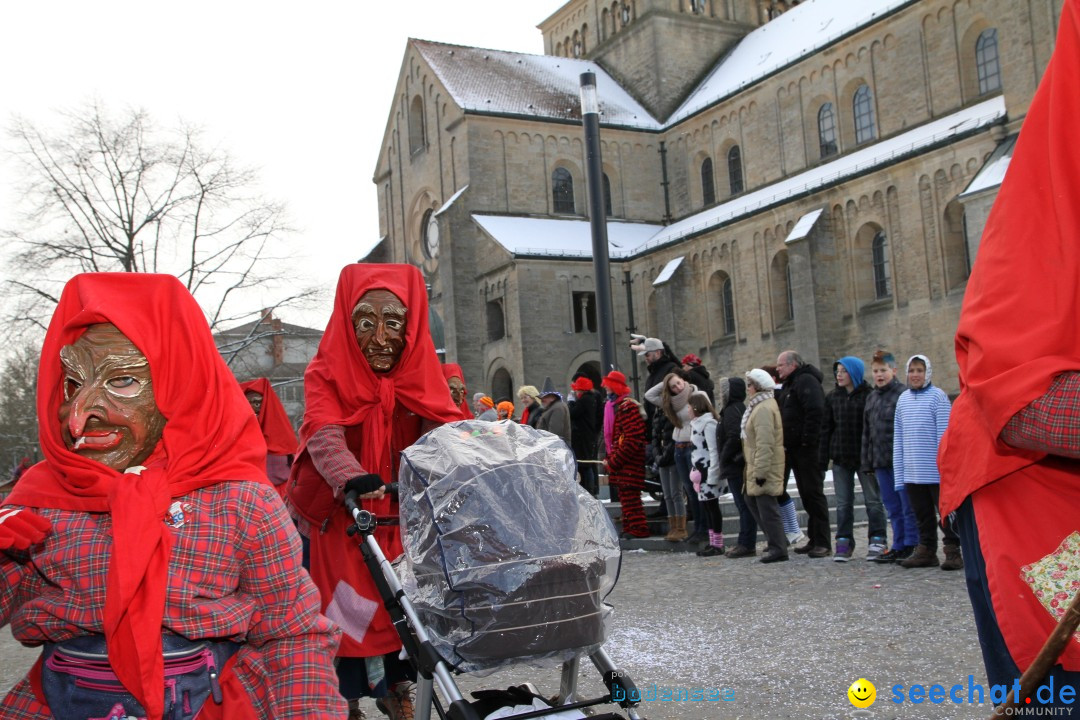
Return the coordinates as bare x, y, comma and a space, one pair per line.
594, 175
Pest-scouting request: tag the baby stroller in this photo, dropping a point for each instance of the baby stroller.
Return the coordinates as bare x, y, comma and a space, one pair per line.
507, 560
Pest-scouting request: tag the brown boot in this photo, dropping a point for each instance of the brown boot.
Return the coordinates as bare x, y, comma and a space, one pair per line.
953, 559
398, 704
677, 533
922, 557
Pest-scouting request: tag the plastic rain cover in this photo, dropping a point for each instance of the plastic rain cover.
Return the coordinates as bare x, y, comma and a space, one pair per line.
507, 558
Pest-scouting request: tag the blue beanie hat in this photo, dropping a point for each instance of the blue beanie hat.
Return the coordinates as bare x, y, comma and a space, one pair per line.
854, 367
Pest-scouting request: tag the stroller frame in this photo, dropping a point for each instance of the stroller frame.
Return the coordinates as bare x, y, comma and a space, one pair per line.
432, 668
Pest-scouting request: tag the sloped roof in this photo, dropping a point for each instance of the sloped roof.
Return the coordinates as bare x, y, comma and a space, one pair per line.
801, 31
550, 237
992, 173
541, 86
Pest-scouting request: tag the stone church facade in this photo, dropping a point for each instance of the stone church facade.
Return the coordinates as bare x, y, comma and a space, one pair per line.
810, 175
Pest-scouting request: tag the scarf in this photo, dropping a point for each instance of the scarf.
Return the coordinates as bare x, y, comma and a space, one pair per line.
757, 399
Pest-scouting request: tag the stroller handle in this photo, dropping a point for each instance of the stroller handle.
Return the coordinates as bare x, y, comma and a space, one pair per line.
364, 521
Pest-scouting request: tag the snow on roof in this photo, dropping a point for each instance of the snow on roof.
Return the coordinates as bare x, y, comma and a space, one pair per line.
993, 170
561, 238
508, 83
880, 153
804, 226
800, 31
668, 271
446, 205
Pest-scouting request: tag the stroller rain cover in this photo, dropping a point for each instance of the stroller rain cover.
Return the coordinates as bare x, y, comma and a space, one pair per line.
507, 558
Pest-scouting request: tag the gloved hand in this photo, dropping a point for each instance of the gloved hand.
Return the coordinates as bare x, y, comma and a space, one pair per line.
364, 484
20, 528
695, 477
760, 482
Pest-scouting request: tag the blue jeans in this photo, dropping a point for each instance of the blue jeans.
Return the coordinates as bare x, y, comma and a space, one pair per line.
747, 524
673, 491
905, 531
682, 468
844, 487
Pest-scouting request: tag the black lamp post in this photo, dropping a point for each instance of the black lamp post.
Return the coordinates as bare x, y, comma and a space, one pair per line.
594, 175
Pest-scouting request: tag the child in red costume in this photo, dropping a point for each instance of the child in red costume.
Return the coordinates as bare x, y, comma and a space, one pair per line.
276, 429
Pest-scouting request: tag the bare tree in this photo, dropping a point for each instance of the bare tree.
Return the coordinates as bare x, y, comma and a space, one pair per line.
18, 412
117, 193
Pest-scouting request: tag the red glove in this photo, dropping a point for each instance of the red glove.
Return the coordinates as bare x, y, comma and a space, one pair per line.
20, 528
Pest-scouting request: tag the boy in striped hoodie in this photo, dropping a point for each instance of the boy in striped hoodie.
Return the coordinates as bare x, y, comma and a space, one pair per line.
922, 414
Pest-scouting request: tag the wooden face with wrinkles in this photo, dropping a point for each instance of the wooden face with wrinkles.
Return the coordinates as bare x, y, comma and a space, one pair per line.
108, 412
379, 321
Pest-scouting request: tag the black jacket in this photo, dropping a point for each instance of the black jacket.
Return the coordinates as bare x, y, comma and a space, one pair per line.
729, 430
584, 430
658, 370
842, 428
877, 434
663, 443
699, 377
802, 406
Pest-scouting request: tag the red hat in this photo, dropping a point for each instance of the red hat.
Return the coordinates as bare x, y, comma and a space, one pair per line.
582, 383
691, 359
616, 382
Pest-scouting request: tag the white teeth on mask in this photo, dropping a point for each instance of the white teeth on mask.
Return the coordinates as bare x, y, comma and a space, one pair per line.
79, 443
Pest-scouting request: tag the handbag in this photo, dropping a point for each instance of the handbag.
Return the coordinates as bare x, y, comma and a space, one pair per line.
80, 684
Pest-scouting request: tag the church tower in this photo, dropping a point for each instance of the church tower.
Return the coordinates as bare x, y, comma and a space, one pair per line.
659, 50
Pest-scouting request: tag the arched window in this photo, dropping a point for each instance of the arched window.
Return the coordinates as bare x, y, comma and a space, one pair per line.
578, 47
782, 298
697, 6
734, 170
708, 187
826, 129
496, 326
727, 299
605, 23
562, 191
863, 104
987, 63
416, 125
584, 39
880, 252
607, 196
625, 14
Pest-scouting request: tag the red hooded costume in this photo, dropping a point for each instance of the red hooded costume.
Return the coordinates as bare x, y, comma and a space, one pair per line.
210, 437
382, 414
453, 370
1017, 332
277, 431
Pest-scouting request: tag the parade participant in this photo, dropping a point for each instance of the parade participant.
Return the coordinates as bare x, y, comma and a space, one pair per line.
373, 388
1009, 459
276, 428
165, 534
455, 380
625, 462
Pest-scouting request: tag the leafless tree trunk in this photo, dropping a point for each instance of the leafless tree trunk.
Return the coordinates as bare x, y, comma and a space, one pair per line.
116, 193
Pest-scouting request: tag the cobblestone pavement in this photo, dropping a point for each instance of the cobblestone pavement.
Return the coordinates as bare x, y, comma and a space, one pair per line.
787, 639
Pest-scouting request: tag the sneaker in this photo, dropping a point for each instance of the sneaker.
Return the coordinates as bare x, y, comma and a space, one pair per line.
888, 557
875, 549
710, 551
844, 548
398, 705
795, 537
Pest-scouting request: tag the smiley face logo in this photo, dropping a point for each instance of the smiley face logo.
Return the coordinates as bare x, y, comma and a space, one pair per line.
862, 693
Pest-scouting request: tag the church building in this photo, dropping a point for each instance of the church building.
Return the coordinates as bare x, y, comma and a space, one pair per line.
778, 174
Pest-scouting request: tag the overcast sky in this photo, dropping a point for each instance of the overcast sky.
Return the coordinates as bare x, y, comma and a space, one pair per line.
299, 90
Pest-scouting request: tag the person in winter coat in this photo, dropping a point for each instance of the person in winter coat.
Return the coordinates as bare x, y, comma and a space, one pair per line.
762, 434
556, 417
625, 461
705, 470
586, 415
696, 374
802, 406
841, 442
660, 362
732, 395
877, 454
672, 396
530, 402
505, 410
663, 458
922, 414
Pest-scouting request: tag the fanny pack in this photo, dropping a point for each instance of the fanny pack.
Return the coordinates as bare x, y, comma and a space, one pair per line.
79, 683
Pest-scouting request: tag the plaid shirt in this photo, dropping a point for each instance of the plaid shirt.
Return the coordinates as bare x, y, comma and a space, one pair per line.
234, 573
1049, 423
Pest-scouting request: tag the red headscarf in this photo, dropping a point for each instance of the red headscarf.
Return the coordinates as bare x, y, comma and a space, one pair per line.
210, 436
342, 389
453, 370
1018, 322
274, 421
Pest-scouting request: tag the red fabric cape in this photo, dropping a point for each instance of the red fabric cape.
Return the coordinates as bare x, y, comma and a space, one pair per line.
342, 389
1017, 331
273, 420
210, 436
451, 370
